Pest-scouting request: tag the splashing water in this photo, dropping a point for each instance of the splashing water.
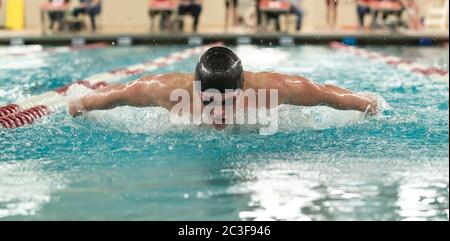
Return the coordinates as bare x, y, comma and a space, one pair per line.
322, 164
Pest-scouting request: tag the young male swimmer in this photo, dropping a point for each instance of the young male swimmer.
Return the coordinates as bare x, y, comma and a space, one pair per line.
221, 69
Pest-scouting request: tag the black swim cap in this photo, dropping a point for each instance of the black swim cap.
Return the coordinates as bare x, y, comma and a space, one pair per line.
221, 69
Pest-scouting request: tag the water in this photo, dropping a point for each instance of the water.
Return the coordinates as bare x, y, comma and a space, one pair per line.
130, 164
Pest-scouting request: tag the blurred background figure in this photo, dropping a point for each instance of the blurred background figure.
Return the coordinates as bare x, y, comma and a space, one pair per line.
273, 9
231, 8
296, 9
91, 8
165, 8
191, 7
363, 8
57, 16
392, 12
241, 16
258, 14
332, 6
271, 15
413, 14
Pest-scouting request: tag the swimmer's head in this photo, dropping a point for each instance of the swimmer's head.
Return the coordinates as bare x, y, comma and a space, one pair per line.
220, 69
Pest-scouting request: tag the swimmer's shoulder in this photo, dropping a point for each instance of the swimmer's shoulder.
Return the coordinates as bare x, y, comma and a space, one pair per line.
266, 80
159, 88
170, 80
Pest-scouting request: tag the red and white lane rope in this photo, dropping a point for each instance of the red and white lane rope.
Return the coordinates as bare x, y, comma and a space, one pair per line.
25, 112
397, 62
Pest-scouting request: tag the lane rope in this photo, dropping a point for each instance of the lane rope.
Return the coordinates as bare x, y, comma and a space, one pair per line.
397, 62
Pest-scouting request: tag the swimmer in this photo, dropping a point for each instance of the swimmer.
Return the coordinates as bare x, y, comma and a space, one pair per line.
221, 69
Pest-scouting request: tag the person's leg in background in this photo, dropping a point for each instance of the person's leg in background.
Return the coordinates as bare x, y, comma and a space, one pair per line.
230, 9
196, 10
235, 12
164, 22
93, 12
299, 14
152, 16
227, 13
93, 23
277, 23
276, 18
374, 23
52, 18
399, 16
258, 14
182, 10
77, 11
362, 11
59, 18
331, 13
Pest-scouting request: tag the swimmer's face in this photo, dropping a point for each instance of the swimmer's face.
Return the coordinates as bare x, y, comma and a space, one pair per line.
224, 103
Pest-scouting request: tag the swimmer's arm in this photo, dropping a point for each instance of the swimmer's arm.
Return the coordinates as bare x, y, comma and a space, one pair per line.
299, 91
140, 93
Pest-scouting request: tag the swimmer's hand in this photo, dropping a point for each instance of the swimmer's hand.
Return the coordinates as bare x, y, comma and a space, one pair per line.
76, 108
373, 108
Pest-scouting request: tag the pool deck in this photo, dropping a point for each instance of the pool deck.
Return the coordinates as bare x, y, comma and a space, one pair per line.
424, 38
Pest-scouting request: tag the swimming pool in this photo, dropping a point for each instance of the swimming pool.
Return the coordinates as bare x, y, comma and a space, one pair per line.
130, 164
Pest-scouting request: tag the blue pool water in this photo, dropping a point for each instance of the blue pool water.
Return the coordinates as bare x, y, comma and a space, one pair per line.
130, 164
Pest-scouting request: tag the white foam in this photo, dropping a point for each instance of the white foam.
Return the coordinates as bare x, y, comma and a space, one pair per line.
157, 120
266, 58
76, 91
26, 63
25, 187
135, 120
18, 50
